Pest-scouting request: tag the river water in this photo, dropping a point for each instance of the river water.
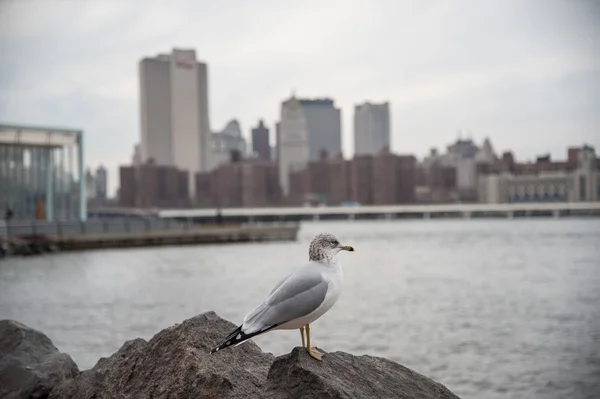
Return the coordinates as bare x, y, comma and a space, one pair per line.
489, 308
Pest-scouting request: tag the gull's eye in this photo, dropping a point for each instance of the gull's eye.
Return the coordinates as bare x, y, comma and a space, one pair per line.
334, 242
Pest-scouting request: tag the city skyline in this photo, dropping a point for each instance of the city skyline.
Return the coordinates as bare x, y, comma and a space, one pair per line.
524, 75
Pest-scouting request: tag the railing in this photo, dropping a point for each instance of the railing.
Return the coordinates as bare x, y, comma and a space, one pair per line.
382, 209
390, 212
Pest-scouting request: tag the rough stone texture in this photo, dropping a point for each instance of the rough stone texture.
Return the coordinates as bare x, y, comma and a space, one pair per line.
176, 363
342, 375
30, 364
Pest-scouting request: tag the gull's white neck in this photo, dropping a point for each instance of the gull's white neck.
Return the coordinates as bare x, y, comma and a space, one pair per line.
328, 260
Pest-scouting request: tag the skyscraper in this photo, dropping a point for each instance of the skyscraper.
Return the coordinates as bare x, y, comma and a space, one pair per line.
101, 183
371, 128
308, 129
260, 141
323, 127
292, 141
175, 128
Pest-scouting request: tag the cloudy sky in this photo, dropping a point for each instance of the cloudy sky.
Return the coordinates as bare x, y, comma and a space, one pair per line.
525, 73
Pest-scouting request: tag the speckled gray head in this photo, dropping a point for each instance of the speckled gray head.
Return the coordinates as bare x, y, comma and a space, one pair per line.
325, 246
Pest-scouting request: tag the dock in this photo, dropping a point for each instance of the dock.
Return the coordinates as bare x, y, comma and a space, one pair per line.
44, 237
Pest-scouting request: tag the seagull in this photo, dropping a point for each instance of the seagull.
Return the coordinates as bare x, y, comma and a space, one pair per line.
299, 299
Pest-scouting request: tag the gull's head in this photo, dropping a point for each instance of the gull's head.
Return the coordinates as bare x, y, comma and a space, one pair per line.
325, 246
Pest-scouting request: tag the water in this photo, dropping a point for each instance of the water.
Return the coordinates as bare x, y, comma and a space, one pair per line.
490, 308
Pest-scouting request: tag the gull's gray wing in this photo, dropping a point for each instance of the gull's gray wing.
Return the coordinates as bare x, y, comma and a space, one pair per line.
298, 295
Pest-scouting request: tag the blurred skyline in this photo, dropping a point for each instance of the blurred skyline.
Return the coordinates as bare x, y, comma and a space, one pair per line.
526, 74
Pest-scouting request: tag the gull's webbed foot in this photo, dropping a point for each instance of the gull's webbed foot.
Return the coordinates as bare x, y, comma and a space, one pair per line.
314, 353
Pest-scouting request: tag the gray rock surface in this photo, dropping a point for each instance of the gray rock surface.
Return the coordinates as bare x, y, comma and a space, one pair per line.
341, 375
176, 363
30, 365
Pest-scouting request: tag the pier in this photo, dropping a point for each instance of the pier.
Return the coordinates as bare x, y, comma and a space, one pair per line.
26, 238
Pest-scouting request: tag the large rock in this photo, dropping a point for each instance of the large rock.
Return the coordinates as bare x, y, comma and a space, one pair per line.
342, 375
30, 365
176, 363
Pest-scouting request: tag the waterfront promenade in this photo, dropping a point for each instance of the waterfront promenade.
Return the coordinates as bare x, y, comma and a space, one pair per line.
27, 238
389, 212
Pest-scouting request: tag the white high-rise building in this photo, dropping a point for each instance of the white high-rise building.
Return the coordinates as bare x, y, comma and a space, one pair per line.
174, 121
292, 141
371, 128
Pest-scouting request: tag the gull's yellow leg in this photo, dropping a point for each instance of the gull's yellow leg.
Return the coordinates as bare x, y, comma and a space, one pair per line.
302, 335
312, 351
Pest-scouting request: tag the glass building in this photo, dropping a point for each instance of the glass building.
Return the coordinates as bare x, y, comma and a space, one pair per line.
41, 173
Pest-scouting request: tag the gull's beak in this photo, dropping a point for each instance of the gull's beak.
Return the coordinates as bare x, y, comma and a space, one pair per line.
347, 248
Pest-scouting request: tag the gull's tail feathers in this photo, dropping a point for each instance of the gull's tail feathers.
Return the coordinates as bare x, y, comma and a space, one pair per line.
237, 337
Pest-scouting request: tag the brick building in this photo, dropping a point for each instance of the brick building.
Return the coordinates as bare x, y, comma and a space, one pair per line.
340, 178
249, 183
436, 184
393, 179
127, 191
382, 179
153, 186
361, 179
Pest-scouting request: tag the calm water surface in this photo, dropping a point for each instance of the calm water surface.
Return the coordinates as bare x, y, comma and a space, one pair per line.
490, 308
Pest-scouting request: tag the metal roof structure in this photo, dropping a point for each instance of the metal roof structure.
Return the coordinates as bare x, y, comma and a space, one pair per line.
42, 172
39, 135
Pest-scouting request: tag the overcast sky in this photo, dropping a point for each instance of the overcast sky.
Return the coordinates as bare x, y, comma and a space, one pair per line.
525, 73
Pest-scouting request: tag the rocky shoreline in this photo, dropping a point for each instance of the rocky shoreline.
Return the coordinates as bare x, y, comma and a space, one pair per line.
176, 363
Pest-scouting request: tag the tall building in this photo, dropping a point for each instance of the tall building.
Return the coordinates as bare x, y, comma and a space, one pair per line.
101, 183
308, 129
371, 128
292, 141
174, 119
260, 141
324, 128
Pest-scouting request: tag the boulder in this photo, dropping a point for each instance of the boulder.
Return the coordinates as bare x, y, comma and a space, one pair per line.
176, 363
341, 375
30, 364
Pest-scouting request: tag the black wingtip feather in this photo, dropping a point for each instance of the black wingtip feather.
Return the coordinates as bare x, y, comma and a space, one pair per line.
237, 336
